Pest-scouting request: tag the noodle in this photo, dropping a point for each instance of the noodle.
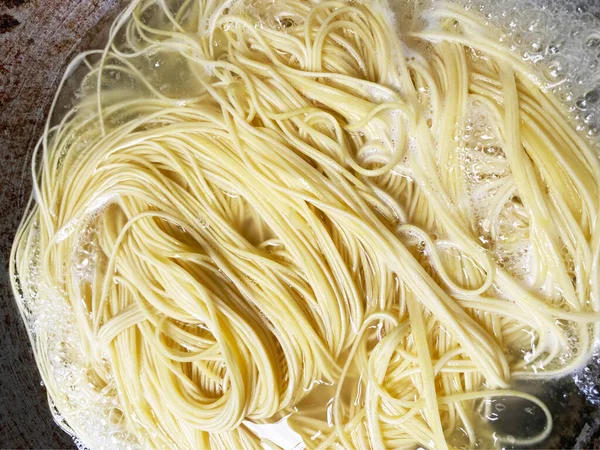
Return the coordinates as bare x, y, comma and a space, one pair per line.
255, 207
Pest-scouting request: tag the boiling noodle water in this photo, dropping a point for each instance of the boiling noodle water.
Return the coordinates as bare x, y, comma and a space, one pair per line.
319, 224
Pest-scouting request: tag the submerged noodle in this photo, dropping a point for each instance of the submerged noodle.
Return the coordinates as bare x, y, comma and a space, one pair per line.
255, 207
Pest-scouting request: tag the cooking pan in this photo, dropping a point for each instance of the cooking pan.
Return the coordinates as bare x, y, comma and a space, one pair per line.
37, 39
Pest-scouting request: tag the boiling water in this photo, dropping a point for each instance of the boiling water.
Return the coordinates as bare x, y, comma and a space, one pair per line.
561, 40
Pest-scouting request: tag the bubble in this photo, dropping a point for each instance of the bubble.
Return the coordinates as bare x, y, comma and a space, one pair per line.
536, 43
555, 46
593, 40
566, 97
576, 31
592, 96
581, 104
492, 417
555, 70
536, 20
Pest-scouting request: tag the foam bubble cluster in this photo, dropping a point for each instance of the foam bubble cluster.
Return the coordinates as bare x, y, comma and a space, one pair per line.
562, 42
